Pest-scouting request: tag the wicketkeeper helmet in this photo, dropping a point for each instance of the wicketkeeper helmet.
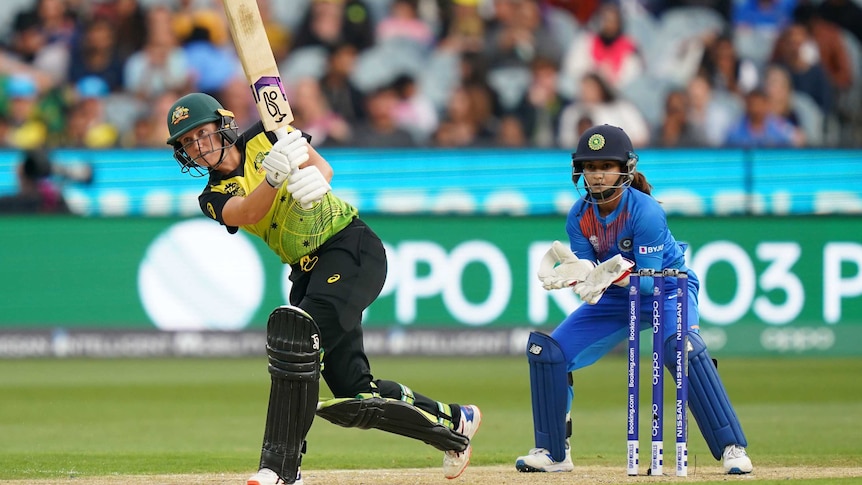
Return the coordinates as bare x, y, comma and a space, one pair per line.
604, 142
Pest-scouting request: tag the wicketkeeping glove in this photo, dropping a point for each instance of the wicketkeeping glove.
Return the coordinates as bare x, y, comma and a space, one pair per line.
307, 186
560, 267
613, 271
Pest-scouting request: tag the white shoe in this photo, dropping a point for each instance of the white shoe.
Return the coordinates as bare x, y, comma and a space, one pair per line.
265, 476
540, 460
455, 462
736, 460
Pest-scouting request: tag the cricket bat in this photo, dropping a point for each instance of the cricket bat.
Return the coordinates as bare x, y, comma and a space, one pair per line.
258, 63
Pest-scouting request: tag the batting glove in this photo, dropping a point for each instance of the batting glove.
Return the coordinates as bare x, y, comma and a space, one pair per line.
277, 168
295, 147
307, 186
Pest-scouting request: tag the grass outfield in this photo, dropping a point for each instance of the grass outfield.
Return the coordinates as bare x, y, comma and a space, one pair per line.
86, 419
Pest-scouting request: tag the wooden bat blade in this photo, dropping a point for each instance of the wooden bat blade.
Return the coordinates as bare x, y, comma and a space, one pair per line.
258, 63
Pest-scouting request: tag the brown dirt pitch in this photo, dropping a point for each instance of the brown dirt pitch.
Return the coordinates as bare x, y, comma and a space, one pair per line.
487, 475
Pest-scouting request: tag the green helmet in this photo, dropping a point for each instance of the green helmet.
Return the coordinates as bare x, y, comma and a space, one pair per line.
193, 110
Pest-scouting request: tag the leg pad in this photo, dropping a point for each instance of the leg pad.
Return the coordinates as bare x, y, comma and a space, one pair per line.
392, 416
293, 348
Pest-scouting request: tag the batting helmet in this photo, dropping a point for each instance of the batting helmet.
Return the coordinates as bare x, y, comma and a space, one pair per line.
604, 142
193, 110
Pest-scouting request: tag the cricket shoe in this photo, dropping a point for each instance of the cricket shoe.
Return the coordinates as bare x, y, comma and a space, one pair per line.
540, 460
455, 462
736, 460
265, 476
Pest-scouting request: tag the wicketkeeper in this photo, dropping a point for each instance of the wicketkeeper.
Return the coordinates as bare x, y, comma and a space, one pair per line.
617, 226
279, 190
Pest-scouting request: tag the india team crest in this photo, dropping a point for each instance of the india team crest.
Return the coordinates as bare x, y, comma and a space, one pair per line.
596, 142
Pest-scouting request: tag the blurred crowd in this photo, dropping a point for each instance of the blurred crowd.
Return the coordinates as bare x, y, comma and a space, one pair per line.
445, 73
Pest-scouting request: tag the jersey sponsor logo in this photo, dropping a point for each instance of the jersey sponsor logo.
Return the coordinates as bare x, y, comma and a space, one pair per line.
650, 249
625, 245
211, 210
333, 278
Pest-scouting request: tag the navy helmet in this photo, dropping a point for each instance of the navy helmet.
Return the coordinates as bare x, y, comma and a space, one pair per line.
604, 142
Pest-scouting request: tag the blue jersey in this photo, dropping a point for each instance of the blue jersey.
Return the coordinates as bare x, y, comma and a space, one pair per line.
637, 229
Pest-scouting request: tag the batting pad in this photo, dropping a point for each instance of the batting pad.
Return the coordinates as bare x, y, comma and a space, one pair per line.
392, 416
708, 399
549, 385
293, 348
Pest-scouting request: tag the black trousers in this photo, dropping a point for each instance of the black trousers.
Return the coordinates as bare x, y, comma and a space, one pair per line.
335, 285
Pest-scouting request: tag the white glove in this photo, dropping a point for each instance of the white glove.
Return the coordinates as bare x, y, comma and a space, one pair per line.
277, 168
295, 147
307, 186
560, 267
613, 271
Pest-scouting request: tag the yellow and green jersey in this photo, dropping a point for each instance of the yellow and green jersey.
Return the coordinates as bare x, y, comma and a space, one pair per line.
289, 230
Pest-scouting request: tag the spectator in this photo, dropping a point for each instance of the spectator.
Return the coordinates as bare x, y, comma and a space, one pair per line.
87, 126
518, 34
759, 127
711, 113
403, 24
95, 53
36, 192
510, 133
57, 21
676, 130
315, 117
725, 70
832, 51
463, 29
381, 128
212, 60
329, 23
414, 111
341, 94
606, 49
26, 127
598, 101
779, 91
47, 62
129, 21
466, 120
798, 54
540, 108
161, 65
235, 93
